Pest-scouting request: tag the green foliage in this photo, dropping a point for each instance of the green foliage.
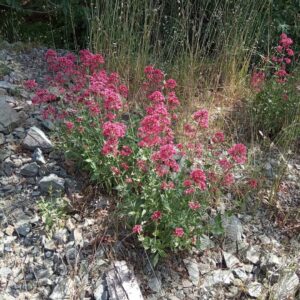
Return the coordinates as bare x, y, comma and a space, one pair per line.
277, 106
53, 211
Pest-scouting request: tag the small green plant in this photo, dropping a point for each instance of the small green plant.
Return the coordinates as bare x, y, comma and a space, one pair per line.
53, 211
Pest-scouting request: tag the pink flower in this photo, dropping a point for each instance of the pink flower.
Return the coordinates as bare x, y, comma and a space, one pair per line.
124, 166
201, 117
189, 191
238, 153
30, 84
198, 176
218, 137
167, 186
137, 229
171, 84
187, 183
287, 60
156, 215
115, 170
228, 179
126, 151
279, 49
69, 125
156, 97
252, 183
123, 90
290, 52
114, 130
225, 164
194, 205
258, 79
281, 73
179, 232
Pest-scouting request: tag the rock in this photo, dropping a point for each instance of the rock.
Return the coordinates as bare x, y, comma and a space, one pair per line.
186, 283
8, 167
52, 183
9, 118
6, 296
61, 236
30, 170
270, 260
193, 270
23, 229
36, 138
100, 292
286, 288
253, 254
2, 139
240, 273
230, 260
47, 124
254, 289
233, 228
5, 272
6, 85
77, 233
38, 156
217, 277
64, 289
206, 242
71, 255
154, 284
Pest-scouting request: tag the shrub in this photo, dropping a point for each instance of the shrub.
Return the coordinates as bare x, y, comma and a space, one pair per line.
167, 183
276, 103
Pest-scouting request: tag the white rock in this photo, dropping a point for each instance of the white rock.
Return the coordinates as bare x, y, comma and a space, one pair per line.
193, 270
254, 289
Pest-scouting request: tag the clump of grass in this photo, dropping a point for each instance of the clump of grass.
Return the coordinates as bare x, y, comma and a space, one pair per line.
204, 44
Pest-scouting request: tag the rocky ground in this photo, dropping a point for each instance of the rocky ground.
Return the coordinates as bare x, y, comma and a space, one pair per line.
50, 249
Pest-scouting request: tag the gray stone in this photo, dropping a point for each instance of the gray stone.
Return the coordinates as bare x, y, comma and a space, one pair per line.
36, 138
61, 236
77, 233
255, 289
230, 260
270, 260
100, 292
23, 229
206, 242
8, 167
240, 273
6, 85
9, 118
253, 254
5, 272
233, 228
2, 139
154, 284
30, 170
218, 277
193, 270
52, 183
38, 156
286, 288
48, 125
63, 290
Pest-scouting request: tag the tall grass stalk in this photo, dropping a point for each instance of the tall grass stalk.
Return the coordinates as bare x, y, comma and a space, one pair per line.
205, 44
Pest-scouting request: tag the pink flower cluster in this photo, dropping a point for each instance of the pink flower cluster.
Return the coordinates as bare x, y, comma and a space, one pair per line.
283, 57
84, 83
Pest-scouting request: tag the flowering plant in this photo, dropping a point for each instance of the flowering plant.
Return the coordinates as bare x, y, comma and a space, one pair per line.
276, 100
167, 188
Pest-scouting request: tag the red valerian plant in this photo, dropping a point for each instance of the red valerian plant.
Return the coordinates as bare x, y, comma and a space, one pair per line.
276, 97
165, 187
